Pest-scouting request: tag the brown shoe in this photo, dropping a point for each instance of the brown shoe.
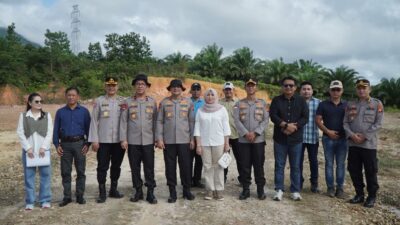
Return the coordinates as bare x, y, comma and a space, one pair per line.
219, 195
209, 195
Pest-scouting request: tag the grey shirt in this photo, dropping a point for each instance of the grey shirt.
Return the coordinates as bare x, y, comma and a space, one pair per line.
175, 121
364, 117
138, 120
104, 126
251, 116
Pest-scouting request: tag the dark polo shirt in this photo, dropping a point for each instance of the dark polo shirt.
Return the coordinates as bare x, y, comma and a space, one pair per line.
332, 115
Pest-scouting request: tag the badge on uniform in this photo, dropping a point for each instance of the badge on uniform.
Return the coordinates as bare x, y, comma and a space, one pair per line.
133, 116
106, 113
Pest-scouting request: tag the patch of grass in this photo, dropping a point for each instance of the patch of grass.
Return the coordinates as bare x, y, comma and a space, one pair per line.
392, 109
388, 162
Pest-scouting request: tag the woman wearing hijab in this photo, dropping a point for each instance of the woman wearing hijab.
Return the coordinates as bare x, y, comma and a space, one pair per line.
35, 130
212, 137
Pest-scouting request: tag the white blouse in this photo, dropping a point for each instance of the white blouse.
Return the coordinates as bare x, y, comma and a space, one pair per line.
212, 127
35, 141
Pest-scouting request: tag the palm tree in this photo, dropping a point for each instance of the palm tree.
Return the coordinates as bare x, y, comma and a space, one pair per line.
307, 70
208, 62
388, 91
273, 71
177, 58
346, 75
241, 63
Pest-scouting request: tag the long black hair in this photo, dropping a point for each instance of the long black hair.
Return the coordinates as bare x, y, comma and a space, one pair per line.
30, 100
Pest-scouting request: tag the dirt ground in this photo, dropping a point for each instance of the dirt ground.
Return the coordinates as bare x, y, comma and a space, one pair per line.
314, 209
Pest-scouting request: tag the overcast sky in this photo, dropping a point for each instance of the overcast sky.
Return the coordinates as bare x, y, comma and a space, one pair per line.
361, 34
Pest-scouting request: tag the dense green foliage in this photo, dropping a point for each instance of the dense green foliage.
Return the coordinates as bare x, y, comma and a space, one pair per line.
33, 68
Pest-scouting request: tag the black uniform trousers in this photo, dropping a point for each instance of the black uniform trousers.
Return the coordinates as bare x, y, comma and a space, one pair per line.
72, 152
138, 154
182, 152
234, 143
109, 152
198, 165
358, 159
252, 154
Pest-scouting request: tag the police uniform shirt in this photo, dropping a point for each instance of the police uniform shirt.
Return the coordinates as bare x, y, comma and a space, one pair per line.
251, 116
104, 126
138, 120
364, 117
175, 121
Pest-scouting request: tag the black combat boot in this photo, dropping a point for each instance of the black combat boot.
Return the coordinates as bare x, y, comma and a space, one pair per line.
150, 196
102, 193
172, 194
113, 193
138, 195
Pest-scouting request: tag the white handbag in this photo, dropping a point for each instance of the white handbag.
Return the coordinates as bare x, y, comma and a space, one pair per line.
225, 160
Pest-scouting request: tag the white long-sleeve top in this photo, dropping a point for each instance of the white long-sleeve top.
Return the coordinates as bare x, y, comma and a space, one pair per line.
212, 127
35, 141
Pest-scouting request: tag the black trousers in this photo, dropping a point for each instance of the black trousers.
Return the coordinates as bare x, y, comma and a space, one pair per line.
198, 165
252, 154
358, 159
109, 152
72, 152
182, 152
138, 154
234, 143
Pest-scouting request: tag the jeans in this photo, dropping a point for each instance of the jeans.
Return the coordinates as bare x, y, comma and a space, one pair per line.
312, 150
334, 150
45, 182
281, 152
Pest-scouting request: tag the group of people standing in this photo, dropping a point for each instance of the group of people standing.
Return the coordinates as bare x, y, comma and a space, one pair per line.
200, 130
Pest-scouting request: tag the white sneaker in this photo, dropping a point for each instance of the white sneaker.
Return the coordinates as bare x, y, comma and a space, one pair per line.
278, 195
29, 207
296, 196
46, 205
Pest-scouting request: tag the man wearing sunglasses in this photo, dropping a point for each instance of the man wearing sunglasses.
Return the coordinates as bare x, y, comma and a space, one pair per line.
289, 113
329, 118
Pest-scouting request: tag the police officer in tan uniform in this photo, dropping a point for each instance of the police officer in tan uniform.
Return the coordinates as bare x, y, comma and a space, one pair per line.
104, 135
138, 120
174, 131
251, 119
362, 120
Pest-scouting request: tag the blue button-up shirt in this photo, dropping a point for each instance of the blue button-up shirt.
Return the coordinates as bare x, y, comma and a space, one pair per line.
71, 122
310, 132
197, 104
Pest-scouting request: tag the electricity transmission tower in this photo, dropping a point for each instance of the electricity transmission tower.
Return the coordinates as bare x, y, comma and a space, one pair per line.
76, 32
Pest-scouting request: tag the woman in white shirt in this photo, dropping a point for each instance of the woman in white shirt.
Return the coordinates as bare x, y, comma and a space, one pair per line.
35, 130
212, 137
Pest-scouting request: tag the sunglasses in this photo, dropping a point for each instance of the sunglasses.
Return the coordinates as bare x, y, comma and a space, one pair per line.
38, 101
288, 85
196, 89
336, 89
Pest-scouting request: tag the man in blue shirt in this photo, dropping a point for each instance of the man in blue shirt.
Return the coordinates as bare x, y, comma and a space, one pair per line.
329, 118
198, 102
71, 130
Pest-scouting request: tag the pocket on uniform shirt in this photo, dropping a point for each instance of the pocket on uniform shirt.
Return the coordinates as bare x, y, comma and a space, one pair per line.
133, 113
369, 116
149, 112
183, 113
259, 113
168, 112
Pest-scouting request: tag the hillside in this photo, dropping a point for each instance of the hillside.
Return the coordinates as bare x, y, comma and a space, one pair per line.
12, 96
25, 41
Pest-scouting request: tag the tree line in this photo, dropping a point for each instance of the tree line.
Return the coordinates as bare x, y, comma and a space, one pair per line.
33, 68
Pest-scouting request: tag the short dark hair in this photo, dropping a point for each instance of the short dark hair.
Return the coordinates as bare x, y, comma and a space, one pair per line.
72, 89
288, 78
306, 83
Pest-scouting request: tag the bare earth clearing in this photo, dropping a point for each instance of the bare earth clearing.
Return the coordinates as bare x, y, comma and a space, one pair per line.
314, 209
